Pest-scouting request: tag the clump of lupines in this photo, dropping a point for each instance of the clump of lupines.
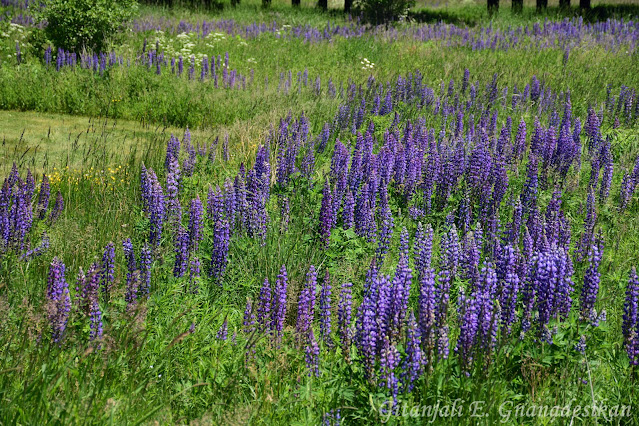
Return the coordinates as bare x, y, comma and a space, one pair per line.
325, 310
631, 318
195, 224
306, 304
279, 303
154, 203
58, 300
344, 316
590, 287
264, 307
107, 271
219, 257
222, 333
181, 252
173, 206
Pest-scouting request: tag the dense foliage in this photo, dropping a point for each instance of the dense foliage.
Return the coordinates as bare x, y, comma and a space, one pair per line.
83, 24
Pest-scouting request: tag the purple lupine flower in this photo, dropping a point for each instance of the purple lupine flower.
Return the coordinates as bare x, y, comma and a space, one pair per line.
195, 223
58, 300
325, 310
95, 326
129, 255
549, 281
627, 189
223, 332
221, 244
367, 325
145, 270
400, 291
87, 288
20, 217
590, 287
631, 318
279, 302
468, 327
172, 151
265, 306
326, 219
132, 289
107, 272
348, 212
413, 364
344, 317
470, 259
450, 251
173, 207
423, 248
5, 222
388, 364
181, 252
581, 344
214, 204
306, 304
312, 352
58, 206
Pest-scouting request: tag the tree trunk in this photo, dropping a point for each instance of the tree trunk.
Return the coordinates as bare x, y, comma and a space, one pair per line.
542, 4
323, 4
347, 5
584, 4
493, 6
518, 6
564, 4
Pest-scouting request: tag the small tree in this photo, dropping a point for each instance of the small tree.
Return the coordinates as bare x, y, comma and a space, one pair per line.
78, 24
384, 11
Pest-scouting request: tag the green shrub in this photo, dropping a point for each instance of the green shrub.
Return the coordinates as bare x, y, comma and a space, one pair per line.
84, 24
383, 11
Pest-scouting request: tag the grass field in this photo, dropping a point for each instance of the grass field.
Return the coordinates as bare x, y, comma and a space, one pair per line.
284, 216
